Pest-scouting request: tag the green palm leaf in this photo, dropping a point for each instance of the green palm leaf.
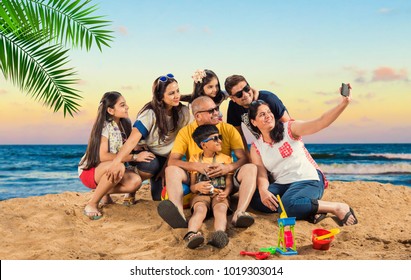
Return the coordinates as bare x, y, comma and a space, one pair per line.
32, 56
38, 68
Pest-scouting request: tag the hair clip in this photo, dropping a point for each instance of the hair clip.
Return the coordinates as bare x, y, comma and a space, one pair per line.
198, 76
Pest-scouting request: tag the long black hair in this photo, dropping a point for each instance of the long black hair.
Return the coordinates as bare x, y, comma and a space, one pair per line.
159, 107
108, 100
277, 133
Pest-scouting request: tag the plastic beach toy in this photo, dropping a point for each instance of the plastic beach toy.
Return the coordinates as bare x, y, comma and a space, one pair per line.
283, 213
323, 243
286, 244
333, 232
257, 255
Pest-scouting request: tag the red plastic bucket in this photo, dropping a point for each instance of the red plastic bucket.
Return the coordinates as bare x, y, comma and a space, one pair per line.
321, 244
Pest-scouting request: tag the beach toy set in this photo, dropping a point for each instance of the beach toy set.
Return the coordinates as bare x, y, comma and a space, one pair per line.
321, 238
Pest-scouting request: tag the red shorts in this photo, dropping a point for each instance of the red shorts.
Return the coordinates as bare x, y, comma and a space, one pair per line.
87, 178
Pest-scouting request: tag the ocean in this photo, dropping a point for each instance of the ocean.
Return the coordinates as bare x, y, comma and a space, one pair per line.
33, 170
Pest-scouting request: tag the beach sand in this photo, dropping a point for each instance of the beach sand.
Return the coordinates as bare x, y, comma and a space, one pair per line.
53, 227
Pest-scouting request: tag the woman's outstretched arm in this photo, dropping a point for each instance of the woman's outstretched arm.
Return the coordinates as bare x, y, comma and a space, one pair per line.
302, 128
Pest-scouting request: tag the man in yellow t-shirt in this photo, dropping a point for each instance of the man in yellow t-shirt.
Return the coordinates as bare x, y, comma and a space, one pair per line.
245, 174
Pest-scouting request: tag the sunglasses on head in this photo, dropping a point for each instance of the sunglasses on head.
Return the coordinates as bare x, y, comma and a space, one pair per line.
214, 138
239, 94
210, 111
166, 77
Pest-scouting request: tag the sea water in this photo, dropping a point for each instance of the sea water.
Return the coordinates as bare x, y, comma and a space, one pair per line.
33, 170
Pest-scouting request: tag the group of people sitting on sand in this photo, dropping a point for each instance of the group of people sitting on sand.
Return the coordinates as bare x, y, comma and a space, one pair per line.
182, 139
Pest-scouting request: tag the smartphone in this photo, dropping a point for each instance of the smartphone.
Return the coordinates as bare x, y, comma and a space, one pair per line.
345, 89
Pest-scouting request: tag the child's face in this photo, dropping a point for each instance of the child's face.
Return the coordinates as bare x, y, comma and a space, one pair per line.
211, 88
120, 109
213, 143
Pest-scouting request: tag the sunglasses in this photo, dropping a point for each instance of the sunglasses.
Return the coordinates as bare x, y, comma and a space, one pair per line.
166, 77
214, 138
239, 94
210, 111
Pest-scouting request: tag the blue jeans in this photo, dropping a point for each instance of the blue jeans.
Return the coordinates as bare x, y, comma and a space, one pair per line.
300, 199
153, 167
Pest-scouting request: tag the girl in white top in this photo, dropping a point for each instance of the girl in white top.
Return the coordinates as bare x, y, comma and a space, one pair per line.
110, 131
156, 127
297, 179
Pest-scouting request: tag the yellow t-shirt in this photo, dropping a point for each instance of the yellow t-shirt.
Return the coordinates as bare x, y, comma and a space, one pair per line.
185, 145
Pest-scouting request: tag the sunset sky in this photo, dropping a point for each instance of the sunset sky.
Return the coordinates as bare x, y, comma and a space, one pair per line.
300, 50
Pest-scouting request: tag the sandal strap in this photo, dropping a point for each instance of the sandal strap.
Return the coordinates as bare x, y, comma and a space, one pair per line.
189, 235
129, 199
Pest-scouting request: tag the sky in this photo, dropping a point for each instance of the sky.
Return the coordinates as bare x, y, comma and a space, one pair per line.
300, 50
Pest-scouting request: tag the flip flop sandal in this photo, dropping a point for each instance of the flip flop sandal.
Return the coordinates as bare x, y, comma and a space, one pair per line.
194, 239
93, 215
315, 219
170, 214
129, 201
349, 213
244, 220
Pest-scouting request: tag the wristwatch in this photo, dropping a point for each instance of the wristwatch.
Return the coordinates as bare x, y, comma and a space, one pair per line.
134, 157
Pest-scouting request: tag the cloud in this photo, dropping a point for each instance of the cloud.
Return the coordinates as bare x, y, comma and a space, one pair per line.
333, 101
206, 30
383, 73
385, 11
366, 119
368, 96
359, 74
303, 100
126, 87
183, 28
3, 91
274, 84
322, 93
122, 30
387, 74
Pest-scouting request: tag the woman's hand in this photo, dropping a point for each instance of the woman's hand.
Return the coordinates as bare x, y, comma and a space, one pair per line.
145, 156
269, 199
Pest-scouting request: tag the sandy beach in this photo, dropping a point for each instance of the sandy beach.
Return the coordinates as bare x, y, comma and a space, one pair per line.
53, 227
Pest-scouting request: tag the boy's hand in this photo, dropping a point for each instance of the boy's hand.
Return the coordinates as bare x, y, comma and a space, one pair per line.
204, 187
221, 194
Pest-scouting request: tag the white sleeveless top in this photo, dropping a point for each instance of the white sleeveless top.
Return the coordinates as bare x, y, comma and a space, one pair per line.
288, 161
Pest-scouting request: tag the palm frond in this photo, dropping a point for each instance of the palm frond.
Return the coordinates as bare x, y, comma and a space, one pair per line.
38, 69
63, 21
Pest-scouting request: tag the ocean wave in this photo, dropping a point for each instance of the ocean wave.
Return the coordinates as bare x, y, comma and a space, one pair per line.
322, 155
385, 155
394, 168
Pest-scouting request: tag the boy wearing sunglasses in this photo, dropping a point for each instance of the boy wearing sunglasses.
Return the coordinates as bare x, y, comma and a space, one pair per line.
241, 95
210, 195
